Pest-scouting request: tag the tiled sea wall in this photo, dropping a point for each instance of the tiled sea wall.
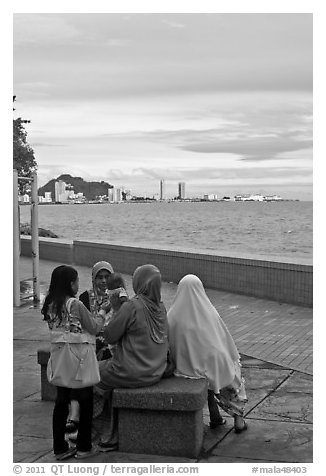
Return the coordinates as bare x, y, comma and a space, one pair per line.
277, 279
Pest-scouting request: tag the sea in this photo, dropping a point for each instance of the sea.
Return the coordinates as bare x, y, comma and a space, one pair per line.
278, 229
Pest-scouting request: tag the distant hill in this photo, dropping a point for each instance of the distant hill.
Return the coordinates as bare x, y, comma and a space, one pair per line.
91, 190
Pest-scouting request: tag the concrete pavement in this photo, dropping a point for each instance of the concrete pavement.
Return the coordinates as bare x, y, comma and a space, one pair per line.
275, 341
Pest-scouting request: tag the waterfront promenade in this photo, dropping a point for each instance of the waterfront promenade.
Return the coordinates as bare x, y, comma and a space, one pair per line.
275, 341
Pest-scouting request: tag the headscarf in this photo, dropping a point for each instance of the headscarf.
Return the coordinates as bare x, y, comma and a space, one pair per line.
200, 343
146, 283
96, 298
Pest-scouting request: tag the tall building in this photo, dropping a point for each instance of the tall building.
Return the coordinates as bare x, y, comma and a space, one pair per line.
110, 194
115, 194
162, 189
48, 197
26, 198
60, 191
182, 190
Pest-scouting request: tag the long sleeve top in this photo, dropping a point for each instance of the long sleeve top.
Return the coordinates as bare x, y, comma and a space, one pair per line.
138, 360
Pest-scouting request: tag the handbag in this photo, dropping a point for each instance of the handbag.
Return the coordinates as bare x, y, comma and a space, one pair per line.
73, 365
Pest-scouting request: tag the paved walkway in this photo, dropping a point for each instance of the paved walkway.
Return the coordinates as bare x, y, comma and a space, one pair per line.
275, 341
271, 331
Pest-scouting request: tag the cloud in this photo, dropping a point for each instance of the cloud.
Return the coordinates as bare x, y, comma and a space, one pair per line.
173, 24
210, 174
117, 42
168, 95
215, 53
42, 29
255, 132
245, 142
215, 173
44, 144
258, 149
51, 171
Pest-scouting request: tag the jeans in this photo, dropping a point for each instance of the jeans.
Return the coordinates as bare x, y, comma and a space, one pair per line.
84, 397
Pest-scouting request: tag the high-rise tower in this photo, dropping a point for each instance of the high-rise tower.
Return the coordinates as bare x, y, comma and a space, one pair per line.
162, 189
182, 190
60, 191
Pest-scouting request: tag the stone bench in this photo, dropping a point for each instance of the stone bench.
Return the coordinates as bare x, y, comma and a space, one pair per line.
48, 391
162, 419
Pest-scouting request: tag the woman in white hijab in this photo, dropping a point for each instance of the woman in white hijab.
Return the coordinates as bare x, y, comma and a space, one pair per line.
202, 347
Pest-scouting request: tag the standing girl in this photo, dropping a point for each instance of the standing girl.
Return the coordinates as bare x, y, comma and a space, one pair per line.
71, 327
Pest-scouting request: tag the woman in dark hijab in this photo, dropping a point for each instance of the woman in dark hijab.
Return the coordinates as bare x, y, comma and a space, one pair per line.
140, 332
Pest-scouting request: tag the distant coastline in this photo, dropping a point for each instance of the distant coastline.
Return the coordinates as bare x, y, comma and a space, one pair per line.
75, 190
105, 202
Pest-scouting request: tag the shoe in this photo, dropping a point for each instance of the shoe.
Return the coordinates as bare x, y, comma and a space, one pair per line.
66, 454
215, 424
71, 426
240, 430
86, 454
107, 446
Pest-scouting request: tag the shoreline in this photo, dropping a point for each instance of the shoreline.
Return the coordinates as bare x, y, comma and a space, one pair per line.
92, 202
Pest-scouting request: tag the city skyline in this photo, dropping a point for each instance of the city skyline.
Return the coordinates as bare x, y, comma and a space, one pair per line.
220, 101
160, 194
64, 192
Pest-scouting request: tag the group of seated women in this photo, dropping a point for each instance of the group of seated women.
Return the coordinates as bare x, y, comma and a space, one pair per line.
138, 343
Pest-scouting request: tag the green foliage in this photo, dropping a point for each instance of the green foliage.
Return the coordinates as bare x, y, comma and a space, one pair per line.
23, 154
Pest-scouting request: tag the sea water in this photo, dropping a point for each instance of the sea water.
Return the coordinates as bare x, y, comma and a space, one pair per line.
282, 229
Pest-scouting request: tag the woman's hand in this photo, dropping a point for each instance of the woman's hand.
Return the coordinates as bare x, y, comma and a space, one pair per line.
106, 306
115, 302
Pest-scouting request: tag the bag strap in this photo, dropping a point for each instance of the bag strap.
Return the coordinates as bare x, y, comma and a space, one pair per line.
69, 303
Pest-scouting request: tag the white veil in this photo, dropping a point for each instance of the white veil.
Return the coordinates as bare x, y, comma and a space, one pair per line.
200, 343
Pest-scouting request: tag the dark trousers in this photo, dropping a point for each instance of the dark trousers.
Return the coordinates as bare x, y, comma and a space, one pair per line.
84, 397
214, 411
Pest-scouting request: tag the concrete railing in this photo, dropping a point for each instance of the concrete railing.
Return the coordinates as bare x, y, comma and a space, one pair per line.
279, 279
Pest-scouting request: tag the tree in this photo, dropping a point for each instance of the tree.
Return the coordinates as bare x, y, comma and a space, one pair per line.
23, 154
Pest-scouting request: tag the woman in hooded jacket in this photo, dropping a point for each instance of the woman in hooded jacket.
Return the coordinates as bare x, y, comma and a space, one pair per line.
139, 330
98, 297
202, 347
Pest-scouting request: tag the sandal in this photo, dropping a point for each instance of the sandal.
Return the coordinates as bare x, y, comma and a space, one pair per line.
240, 430
214, 424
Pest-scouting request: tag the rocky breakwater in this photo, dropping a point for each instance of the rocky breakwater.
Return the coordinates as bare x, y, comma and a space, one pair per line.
25, 229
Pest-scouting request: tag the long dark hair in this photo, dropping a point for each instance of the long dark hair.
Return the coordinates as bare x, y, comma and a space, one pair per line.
59, 289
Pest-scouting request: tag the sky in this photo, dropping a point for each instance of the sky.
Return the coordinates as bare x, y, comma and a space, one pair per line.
222, 102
